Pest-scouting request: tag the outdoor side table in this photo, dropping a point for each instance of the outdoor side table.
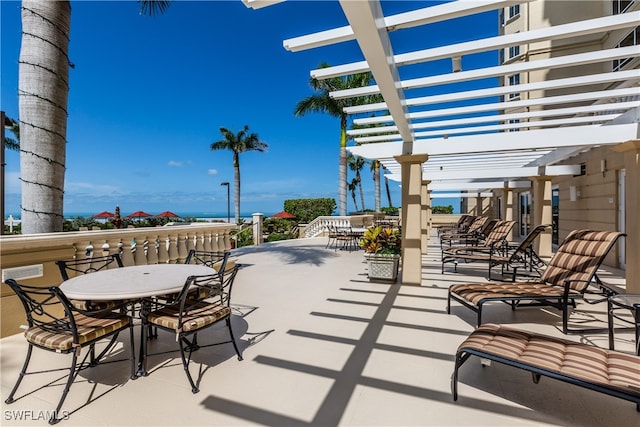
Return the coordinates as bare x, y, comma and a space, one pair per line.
629, 302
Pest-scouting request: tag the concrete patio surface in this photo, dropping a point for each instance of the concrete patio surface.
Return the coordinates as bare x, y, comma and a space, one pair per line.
323, 346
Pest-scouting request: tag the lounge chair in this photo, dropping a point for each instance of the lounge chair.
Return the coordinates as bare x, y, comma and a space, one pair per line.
492, 245
459, 227
510, 259
473, 233
567, 278
607, 371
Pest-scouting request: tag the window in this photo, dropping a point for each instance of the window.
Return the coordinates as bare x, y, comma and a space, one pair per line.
514, 121
632, 39
514, 11
514, 51
514, 79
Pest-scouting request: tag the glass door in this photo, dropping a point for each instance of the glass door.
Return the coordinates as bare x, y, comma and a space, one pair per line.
525, 213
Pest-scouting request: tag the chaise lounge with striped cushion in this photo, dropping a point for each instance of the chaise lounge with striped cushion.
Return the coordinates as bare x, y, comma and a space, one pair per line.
567, 278
607, 371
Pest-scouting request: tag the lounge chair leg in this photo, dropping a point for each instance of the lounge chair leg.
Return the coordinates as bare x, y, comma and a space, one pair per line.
535, 377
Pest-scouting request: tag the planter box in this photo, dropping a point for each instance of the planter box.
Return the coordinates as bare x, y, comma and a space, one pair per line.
383, 267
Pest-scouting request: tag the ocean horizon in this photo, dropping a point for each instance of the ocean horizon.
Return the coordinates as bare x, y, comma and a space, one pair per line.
194, 214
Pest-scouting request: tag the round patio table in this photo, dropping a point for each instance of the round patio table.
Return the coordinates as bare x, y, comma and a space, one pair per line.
133, 283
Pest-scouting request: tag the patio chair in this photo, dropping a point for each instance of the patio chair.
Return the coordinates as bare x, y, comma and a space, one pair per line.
522, 256
493, 243
216, 260
567, 278
472, 234
55, 325
203, 302
74, 267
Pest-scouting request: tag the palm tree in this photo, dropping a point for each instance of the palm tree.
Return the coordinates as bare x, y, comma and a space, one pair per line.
356, 164
375, 171
386, 185
14, 127
321, 102
238, 143
352, 189
43, 89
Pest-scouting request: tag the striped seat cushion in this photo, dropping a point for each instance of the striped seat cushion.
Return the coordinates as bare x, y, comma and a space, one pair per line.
475, 292
84, 305
573, 359
197, 317
55, 337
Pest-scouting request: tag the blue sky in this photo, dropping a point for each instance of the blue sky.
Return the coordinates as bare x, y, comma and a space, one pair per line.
149, 94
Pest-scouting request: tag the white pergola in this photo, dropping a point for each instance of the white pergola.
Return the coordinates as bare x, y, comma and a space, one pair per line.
459, 149
472, 141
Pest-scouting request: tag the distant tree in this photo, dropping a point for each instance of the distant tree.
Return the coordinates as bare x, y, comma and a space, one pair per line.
14, 127
238, 143
386, 186
375, 171
43, 92
352, 186
356, 164
321, 102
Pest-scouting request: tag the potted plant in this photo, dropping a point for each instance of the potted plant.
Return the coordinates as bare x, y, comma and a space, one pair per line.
382, 246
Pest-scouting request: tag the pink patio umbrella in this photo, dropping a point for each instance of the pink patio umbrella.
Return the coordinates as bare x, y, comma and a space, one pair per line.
284, 215
139, 214
167, 214
104, 215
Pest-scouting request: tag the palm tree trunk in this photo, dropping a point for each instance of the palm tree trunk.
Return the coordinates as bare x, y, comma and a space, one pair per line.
386, 184
359, 178
43, 89
376, 182
342, 170
236, 186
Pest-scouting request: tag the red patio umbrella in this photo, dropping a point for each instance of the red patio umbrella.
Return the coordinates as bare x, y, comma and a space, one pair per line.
104, 214
167, 214
139, 214
283, 214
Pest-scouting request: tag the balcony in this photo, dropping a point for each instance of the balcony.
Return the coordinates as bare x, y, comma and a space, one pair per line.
324, 346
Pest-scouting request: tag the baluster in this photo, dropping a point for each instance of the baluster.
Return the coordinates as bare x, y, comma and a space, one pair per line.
199, 241
226, 242
191, 243
152, 250
182, 248
139, 254
163, 253
208, 238
115, 246
127, 252
173, 249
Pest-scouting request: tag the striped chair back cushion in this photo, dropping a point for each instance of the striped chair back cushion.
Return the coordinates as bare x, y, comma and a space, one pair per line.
499, 233
579, 257
477, 224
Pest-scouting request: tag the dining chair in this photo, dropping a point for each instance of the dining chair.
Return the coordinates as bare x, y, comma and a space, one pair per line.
203, 302
216, 260
55, 325
77, 266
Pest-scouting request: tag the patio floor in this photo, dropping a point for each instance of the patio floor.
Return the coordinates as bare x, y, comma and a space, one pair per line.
324, 347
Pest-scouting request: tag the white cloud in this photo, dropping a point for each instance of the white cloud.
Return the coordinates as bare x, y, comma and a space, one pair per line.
212, 172
174, 164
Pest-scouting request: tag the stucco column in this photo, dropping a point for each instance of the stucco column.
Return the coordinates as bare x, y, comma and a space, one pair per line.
425, 215
411, 173
507, 209
257, 228
631, 150
542, 213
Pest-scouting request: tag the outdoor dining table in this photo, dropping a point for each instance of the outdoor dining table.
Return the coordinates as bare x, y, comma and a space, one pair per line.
132, 283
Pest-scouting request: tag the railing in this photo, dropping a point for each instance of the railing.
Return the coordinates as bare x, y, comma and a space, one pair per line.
321, 224
30, 258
